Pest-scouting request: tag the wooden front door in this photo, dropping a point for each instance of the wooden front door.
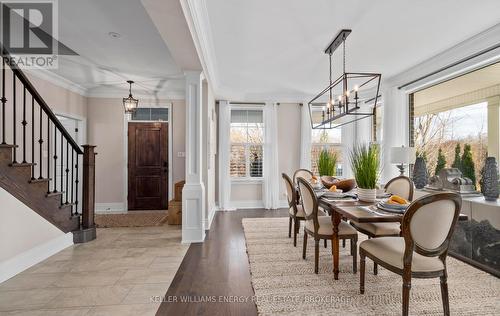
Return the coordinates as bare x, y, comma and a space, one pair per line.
147, 166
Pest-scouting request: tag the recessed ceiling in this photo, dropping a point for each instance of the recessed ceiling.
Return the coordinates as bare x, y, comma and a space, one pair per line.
476, 80
137, 51
275, 48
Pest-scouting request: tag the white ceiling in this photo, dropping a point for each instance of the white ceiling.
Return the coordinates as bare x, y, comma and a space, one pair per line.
264, 49
140, 54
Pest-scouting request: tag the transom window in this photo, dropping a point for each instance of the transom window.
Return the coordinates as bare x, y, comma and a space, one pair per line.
150, 114
247, 138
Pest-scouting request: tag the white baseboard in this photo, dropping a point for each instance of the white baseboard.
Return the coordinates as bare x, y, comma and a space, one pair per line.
29, 258
110, 208
248, 204
283, 204
208, 223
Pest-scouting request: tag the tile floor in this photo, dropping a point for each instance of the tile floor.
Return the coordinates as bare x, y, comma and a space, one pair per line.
116, 274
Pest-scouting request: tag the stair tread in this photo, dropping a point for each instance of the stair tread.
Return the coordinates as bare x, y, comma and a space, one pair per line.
8, 146
54, 194
22, 164
38, 180
67, 205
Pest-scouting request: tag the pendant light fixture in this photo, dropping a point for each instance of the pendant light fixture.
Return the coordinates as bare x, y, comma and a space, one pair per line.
344, 100
130, 104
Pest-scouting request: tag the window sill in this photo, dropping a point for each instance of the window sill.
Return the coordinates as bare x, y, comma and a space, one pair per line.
247, 180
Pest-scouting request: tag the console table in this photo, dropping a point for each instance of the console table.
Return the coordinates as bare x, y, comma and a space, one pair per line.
477, 240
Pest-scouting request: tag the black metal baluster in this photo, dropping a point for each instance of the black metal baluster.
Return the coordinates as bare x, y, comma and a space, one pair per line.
55, 158
72, 175
40, 141
24, 125
76, 185
67, 171
4, 100
48, 153
14, 118
32, 138
62, 163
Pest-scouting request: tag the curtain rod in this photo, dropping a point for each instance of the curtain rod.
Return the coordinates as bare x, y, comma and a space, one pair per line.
482, 52
248, 103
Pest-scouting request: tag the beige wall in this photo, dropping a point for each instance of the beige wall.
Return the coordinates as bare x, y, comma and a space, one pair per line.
106, 130
60, 100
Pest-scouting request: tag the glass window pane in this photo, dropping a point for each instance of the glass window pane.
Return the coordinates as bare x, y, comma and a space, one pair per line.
141, 114
256, 163
239, 116
255, 134
159, 114
238, 166
238, 134
255, 116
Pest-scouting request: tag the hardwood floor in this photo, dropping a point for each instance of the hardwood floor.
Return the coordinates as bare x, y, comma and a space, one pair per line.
217, 267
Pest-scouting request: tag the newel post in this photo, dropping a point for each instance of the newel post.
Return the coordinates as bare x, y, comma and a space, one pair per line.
87, 230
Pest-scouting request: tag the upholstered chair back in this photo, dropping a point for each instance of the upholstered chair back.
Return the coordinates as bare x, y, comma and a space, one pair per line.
309, 201
302, 173
290, 192
429, 222
402, 186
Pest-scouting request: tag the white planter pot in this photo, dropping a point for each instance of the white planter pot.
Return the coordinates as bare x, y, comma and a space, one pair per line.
367, 195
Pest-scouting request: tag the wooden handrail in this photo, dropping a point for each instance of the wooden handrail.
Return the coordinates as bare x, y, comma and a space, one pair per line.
43, 105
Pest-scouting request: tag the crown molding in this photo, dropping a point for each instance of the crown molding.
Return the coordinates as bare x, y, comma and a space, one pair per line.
468, 47
57, 80
196, 14
175, 95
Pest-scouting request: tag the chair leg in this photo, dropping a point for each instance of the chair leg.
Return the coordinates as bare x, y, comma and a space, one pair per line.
326, 245
406, 296
290, 227
362, 273
354, 253
375, 268
295, 231
316, 255
444, 295
304, 247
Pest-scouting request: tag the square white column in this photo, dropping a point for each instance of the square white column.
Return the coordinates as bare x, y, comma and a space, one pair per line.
193, 194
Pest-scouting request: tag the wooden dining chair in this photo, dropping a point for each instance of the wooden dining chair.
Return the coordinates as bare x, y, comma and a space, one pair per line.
302, 173
321, 227
427, 228
402, 186
296, 212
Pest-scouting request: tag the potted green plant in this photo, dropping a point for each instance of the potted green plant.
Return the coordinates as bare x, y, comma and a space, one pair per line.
365, 164
327, 162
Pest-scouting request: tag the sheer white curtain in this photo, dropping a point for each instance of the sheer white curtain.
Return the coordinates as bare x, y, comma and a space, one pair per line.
270, 189
305, 137
224, 155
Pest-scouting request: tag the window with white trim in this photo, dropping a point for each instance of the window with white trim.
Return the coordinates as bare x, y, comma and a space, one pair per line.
247, 139
329, 139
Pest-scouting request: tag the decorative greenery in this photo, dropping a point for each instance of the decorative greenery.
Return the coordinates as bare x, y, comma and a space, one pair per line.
422, 154
441, 162
365, 164
467, 164
327, 162
457, 163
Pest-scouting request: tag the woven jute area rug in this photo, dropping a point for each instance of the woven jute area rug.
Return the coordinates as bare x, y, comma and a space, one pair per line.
131, 219
286, 284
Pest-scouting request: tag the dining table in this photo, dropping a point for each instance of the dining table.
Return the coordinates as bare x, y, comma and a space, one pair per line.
358, 211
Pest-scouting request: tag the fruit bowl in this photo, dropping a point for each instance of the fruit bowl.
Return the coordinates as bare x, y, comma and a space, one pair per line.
345, 185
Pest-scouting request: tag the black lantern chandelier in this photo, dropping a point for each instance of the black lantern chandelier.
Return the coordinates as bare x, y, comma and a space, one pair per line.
345, 100
130, 104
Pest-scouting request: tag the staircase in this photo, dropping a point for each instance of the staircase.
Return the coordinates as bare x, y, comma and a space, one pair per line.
39, 160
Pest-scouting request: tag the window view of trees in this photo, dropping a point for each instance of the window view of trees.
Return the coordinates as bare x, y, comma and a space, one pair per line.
329, 140
247, 138
456, 138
